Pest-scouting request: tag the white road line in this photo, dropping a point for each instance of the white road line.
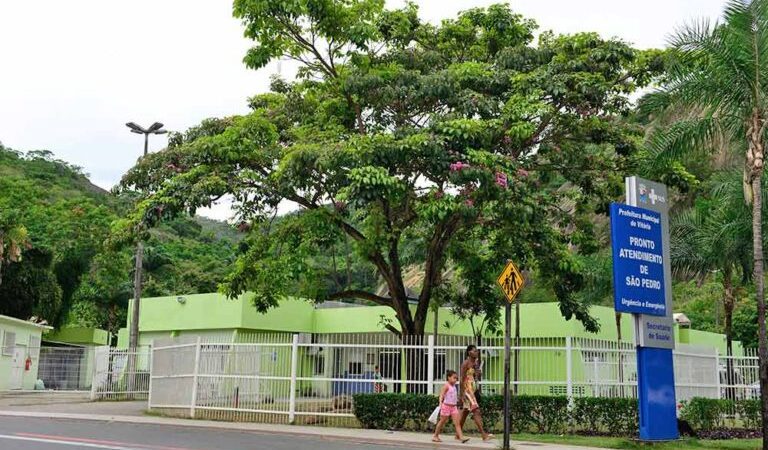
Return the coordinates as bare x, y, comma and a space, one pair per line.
59, 442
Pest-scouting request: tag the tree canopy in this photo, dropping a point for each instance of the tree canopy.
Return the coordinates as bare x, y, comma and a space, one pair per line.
462, 134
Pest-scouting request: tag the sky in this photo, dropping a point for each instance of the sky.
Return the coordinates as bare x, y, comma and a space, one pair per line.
73, 72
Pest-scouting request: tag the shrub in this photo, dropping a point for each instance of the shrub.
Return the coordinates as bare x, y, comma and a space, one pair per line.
749, 411
392, 411
706, 413
542, 414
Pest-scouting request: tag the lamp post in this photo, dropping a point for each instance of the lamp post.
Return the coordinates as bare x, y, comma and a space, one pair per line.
133, 339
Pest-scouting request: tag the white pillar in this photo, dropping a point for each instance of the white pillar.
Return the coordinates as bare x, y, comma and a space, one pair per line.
151, 357
294, 370
569, 369
196, 372
431, 363
717, 372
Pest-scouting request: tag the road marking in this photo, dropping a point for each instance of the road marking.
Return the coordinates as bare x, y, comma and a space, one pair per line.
62, 442
117, 444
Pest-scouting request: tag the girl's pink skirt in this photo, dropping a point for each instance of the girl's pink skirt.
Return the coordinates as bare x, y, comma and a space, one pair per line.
448, 410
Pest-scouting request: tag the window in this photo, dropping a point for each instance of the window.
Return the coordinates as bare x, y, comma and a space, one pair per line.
9, 342
34, 347
355, 368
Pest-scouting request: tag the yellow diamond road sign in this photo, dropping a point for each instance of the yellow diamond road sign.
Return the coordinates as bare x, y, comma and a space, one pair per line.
511, 281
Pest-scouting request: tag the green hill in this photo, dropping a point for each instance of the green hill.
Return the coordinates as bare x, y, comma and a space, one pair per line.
67, 276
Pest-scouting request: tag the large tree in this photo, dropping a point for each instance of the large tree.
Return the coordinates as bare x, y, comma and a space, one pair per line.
401, 131
718, 80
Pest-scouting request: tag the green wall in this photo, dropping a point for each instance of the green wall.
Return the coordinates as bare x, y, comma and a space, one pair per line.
215, 314
79, 335
24, 331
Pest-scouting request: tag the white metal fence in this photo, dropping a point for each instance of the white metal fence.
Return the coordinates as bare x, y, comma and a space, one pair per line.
310, 379
121, 374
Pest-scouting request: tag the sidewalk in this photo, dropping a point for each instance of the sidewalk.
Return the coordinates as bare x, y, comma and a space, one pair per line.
133, 412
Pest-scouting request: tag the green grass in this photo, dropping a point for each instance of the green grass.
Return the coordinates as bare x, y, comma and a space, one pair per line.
623, 443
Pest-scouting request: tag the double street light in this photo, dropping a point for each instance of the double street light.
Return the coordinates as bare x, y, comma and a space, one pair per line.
155, 128
133, 339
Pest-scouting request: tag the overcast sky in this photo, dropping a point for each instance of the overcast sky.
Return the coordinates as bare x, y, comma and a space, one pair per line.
73, 72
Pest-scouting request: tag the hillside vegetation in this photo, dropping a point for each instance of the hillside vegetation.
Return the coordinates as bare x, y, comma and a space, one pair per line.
66, 275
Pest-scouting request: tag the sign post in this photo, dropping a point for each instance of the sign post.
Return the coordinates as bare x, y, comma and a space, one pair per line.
642, 287
511, 282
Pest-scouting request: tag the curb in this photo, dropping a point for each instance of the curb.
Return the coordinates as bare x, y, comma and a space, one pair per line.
322, 433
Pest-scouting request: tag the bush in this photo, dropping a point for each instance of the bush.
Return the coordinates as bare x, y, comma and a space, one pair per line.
613, 416
550, 414
542, 414
539, 413
394, 411
706, 413
749, 411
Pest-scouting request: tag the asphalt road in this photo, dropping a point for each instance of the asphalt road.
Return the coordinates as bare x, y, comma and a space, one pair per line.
56, 434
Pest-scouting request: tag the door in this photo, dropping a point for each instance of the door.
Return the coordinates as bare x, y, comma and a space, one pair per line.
17, 368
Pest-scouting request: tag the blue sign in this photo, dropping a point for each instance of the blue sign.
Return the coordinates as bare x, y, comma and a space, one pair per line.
638, 261
656, 394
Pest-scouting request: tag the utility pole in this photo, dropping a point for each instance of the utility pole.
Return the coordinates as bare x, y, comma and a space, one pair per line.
133, 339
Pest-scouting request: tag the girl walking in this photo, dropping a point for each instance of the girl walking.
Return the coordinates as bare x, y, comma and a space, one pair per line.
448, 409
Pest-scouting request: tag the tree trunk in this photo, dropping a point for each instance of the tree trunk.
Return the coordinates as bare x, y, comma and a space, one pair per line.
478, 344
728, 305
755, 161
757, 239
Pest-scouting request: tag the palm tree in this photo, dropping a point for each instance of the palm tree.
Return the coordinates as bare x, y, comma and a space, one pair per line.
715, 236
718, 76
13, 240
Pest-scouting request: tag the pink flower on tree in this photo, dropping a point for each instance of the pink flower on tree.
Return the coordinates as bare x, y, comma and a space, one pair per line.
457, 166
469, 202
501, 179
522, 173
439, 194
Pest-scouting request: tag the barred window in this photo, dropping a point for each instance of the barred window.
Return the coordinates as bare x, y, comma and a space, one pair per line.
9, 342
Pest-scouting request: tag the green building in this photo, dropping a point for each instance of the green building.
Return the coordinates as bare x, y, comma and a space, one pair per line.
343, 341
19, 353
213, 316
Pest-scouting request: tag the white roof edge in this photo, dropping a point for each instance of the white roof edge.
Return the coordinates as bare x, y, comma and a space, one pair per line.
24, 322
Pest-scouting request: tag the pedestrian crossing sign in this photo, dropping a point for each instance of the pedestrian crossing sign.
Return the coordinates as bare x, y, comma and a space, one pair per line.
511, 281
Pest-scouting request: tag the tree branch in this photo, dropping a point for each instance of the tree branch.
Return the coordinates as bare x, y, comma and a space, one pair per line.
363, 295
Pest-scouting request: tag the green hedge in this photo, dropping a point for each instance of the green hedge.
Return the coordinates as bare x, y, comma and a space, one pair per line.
708, 414
551, 414
614, 416
394, 411
539, 414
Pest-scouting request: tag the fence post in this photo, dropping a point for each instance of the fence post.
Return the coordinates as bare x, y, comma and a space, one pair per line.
717, 373
569, 370
431, 363
195, 373
96, 354
151, 357
294, 370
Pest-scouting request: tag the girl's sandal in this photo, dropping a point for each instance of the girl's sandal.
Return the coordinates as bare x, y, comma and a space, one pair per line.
488, 437
465, 440
434, 439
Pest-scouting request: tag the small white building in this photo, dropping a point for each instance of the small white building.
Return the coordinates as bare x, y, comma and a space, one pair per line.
19, 353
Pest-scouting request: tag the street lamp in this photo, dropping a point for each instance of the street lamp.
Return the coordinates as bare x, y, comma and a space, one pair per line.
133, 339
155, 128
